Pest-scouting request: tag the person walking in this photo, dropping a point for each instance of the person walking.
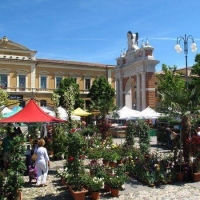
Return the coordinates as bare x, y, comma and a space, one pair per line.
42, 163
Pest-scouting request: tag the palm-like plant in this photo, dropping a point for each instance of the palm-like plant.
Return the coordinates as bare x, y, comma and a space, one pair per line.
178, 100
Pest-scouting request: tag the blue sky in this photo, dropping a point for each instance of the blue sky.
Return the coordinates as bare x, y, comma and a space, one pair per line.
95, 30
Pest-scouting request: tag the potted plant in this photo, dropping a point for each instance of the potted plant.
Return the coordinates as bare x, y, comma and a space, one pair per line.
63, 174
2, 181
120, 152
116, 182
14, 175
110, 155
89, 130
75, 167
193, 145
59, 142
94, 185
94, 153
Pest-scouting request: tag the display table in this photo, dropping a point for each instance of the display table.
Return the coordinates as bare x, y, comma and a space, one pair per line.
118, 131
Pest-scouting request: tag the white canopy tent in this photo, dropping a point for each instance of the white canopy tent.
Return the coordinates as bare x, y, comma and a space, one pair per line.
62, 113
149, 113
126, 113
5, 110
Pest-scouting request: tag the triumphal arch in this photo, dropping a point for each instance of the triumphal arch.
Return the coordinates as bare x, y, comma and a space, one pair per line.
135, 75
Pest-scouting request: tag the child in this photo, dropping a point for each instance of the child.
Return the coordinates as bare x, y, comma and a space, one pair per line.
32, 172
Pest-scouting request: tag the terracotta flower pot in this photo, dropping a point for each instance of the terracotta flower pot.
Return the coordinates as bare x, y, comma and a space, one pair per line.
196, 177
119, 161
179, 177
105, 162
114, 192
95, 195
78, 195
107, 188
111, 164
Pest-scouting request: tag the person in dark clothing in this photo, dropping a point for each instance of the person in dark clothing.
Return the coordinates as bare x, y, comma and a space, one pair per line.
168, 138
28, 155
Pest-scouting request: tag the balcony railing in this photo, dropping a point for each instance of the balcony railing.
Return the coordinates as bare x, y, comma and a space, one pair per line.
38, 90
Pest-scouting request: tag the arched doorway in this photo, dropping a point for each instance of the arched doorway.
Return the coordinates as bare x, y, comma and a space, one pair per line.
130, 93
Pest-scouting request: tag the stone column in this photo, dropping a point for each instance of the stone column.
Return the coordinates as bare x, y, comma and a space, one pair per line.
138, 92
33, 74
120, 93
143, 90
117, 91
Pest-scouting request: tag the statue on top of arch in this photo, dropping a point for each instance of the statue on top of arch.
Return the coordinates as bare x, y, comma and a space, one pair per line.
132, 41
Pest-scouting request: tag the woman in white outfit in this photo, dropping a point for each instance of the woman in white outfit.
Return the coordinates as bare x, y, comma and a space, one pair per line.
42, 163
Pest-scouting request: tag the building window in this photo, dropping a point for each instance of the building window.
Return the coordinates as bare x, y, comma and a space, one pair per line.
87, 83
87, 104
58, 80
22, 82
3, 81
43, 103
43, 82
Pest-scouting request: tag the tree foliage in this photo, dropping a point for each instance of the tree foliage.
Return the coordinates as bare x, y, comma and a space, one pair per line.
178, 100
102, 96
64, 86
3, 97
195, 72
170, 79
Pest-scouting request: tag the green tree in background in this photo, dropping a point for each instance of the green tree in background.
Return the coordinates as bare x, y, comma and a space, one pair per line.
102, 96
64, 86
176, 100
3, 97
195, 72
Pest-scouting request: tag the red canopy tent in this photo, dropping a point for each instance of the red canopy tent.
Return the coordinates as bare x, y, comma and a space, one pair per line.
31, 113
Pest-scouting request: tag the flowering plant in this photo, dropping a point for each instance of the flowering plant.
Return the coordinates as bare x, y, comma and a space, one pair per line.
194, 145
95, 184
117, 181
62, 173
103, 129
110, 155
94, 153
75, 144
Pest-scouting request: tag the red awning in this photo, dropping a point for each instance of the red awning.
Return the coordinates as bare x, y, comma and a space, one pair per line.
31, 113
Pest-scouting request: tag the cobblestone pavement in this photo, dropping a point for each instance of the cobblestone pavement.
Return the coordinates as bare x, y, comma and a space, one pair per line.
134, 190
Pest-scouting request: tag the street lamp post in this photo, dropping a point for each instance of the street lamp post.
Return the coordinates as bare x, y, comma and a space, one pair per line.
185, 39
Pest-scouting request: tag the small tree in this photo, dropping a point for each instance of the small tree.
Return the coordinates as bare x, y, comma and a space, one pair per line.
102, 96
144, 136
55, 98
59, 144
75, 145
69, 99
130, 133
64, 86
14, 174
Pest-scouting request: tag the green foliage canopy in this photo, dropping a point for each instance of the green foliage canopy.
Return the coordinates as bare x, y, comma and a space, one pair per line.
64, 86
102, 96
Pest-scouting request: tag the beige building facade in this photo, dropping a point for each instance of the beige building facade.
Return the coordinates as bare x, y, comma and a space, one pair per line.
24, 76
